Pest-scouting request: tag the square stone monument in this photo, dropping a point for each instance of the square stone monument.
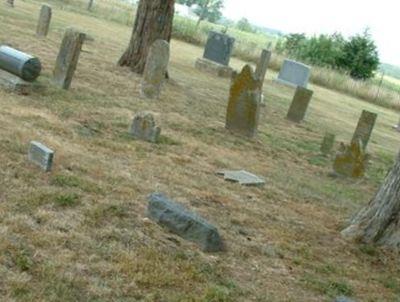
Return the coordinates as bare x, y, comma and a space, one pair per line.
294, 74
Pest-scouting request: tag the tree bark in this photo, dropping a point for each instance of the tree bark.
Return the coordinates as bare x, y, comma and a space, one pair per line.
153, 21
379, 222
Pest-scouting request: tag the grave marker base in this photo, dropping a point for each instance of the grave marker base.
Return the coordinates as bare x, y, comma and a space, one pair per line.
214, 68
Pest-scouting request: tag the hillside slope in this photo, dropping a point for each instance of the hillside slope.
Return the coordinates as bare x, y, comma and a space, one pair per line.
80, 233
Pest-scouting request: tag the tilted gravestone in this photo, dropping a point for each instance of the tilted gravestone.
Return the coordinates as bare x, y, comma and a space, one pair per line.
351, 160
262, 65
299, 106
155, 69
365, 126
186, 224
44, 21
327, 143
40, 155
244, 103
144, 127
294, 74
219, 48
68, 57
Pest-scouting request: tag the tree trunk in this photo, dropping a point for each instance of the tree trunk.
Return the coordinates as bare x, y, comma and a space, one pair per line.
153, 21
379, 222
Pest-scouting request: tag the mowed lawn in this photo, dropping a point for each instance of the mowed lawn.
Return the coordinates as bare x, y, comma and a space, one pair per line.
80, 233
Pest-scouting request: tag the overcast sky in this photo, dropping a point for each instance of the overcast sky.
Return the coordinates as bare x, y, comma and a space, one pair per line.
321, 16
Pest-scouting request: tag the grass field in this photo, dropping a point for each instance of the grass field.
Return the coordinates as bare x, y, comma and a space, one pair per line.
80, 233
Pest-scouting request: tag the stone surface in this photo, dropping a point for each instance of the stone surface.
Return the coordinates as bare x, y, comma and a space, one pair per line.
12, 83
68, 57
219, 48
262, 65
327, 143
365, 126
294, 74
242, 177
144, 127
10, 3
214, 68
244, 103
184, 223
343, 299
155, 69
40, 155
351, 161
299, 106
44, 21
19, 63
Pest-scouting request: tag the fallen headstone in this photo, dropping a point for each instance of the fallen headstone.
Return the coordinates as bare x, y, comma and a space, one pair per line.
299, 106
21, 64
155, 69
242, 177
244, 103
218, 48
40, 155
365, 126
294, 73
144, 127
211, 67
68, 57
44, 21
262, 66
351, 161
186, 224
327, 143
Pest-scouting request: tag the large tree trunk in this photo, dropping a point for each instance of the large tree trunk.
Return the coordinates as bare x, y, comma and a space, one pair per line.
153, 21
379, 222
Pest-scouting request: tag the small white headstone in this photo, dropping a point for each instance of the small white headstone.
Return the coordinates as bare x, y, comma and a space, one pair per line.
40, 155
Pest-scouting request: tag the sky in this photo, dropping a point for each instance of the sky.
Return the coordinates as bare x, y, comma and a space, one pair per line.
320, 16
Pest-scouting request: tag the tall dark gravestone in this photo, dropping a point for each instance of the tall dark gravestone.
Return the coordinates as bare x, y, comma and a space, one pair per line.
364, 128
219, 48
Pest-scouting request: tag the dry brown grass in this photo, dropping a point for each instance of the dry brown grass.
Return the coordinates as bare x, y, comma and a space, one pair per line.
79, 233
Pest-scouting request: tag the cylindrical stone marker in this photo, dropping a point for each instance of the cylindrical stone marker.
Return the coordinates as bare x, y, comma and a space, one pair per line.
155, 69
44, 21
299, 106
365, 127
19, 63
68, 57
327, 143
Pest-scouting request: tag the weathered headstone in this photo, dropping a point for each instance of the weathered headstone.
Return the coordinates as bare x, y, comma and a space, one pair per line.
155, 69
365, 126
19, 63
40, 155
351, 161
244, 103
184, 223
299, 106
68, 57
10, 3
262, 66
327, 143
144, 127
44, 21
242, 177
213, 68
219, 48
294, 74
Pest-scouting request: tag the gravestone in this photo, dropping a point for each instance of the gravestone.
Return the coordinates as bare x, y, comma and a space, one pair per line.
155, 69
10, 3
144, 127
218, 48
44, 21
40, 155
327, 143
242, 177
244, 103
365, 126
299, 106
19, 63
186, 224
262, 66
213, 68
68, 57
351, 161
294, 73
